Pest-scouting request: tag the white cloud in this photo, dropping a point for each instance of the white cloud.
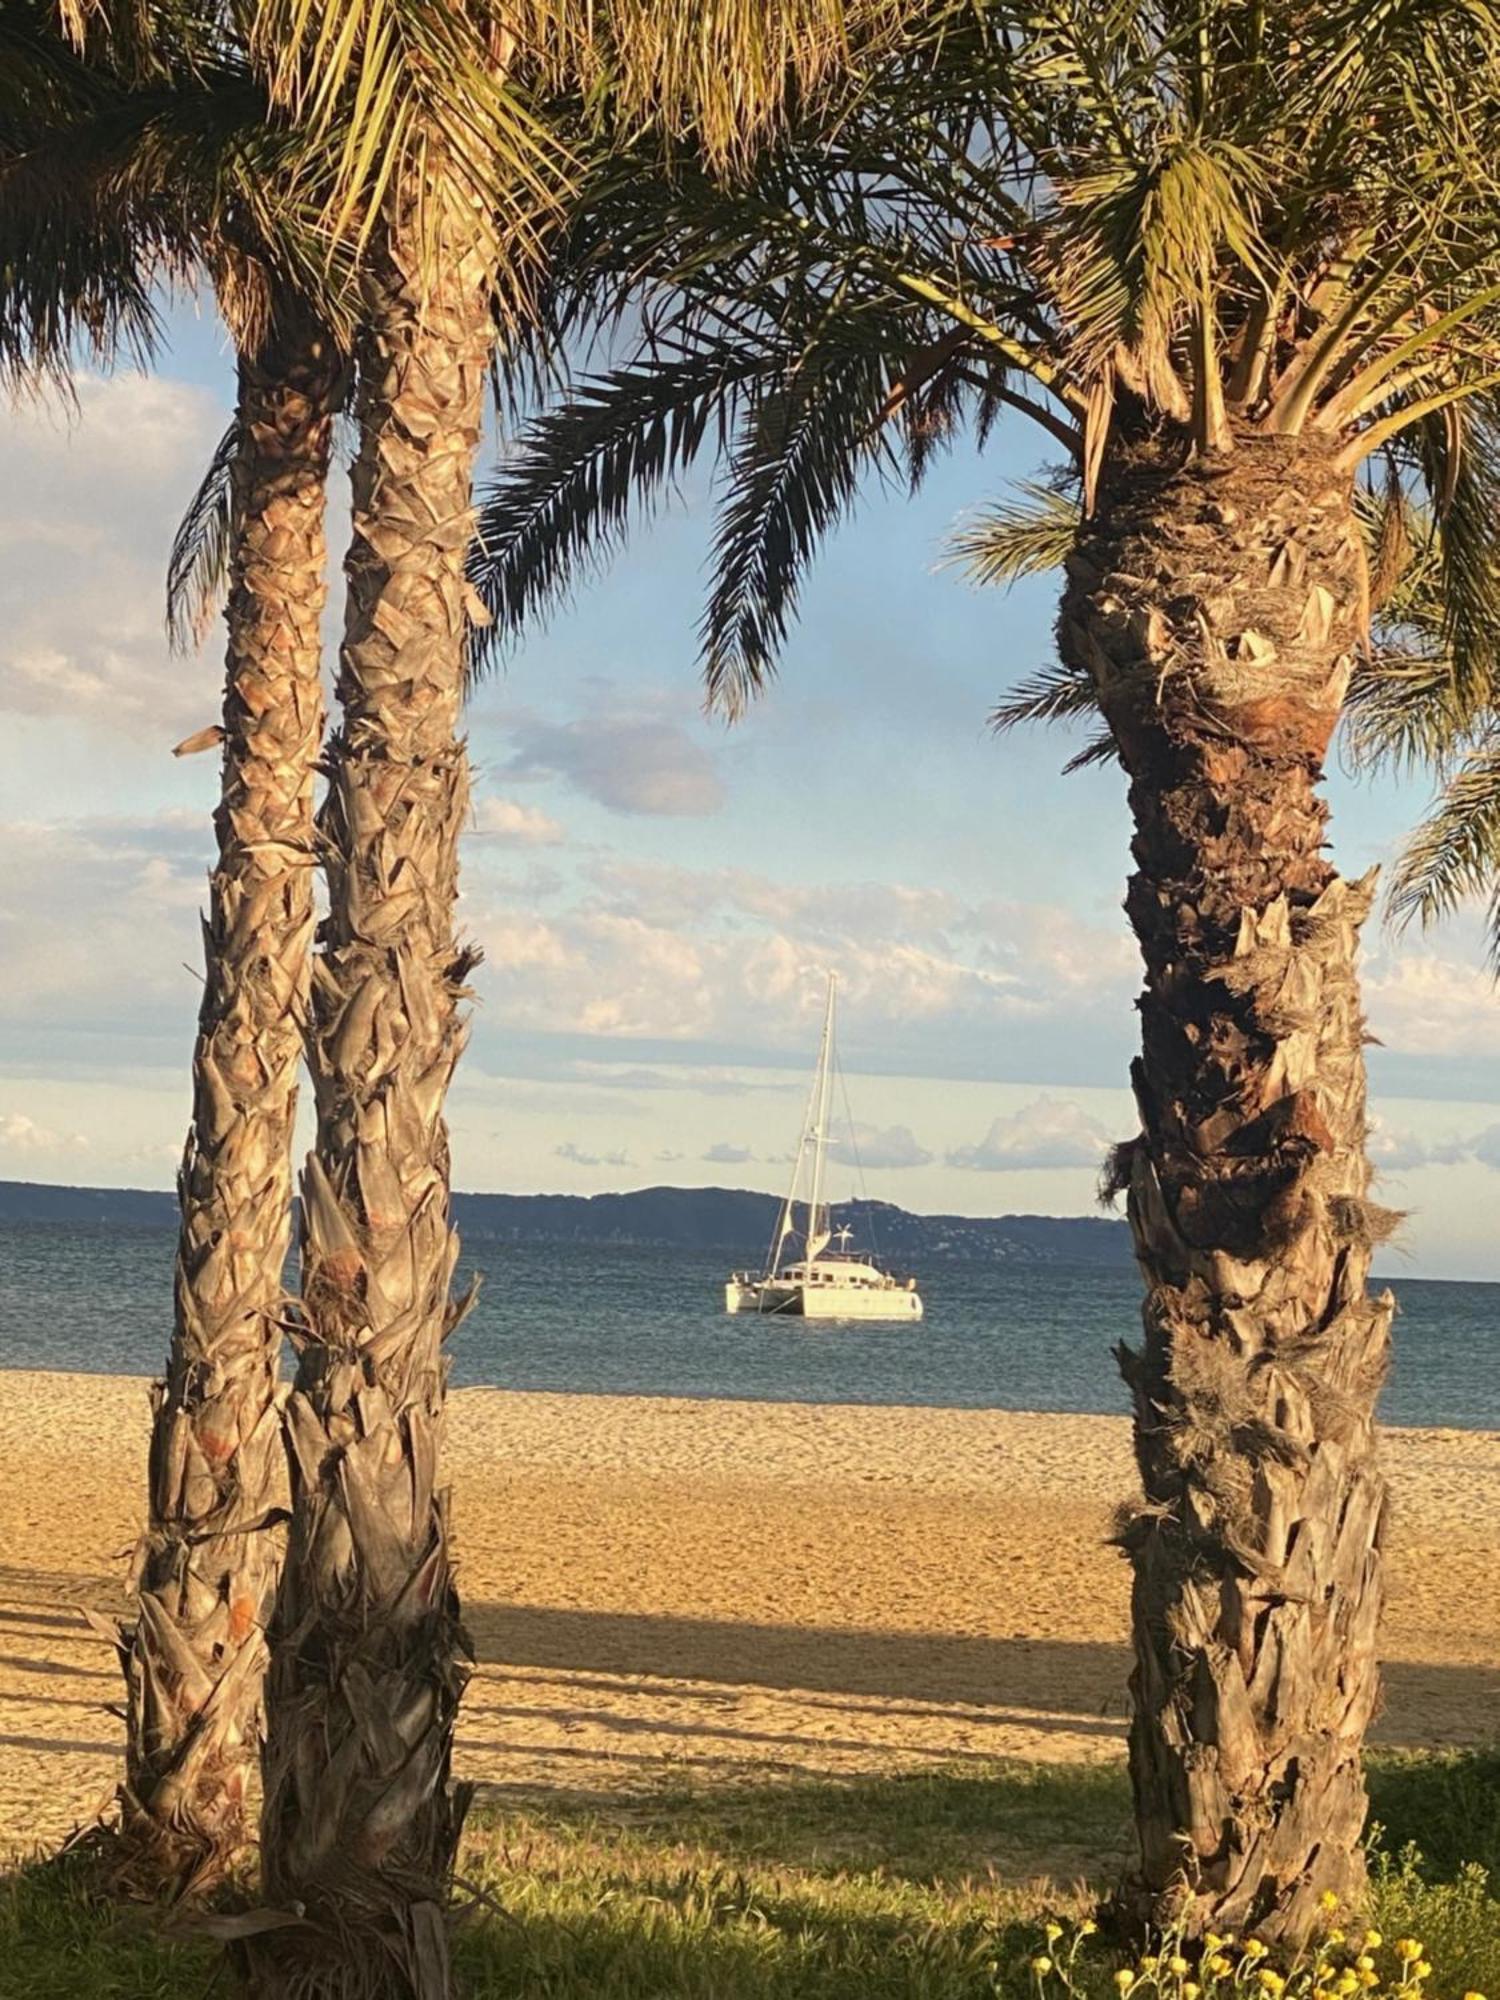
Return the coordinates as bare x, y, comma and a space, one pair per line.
723, 1154
727, 957
21, 1134
87, 515
517, 825
627, 762
579, 1157
711, 1080
1049, 1132
882, 1146
1422, 1005
100, 914
1396, 1151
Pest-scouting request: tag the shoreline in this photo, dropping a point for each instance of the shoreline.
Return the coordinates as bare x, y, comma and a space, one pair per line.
1020, 1412
711, 1591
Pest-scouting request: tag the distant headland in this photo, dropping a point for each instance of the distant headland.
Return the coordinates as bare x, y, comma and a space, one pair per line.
735, 1220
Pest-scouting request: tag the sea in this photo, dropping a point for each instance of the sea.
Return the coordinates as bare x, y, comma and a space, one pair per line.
623, 1320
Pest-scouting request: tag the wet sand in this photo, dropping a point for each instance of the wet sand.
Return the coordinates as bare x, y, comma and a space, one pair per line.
716, 1592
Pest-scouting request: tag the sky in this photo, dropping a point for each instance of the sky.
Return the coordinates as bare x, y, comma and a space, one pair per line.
659, 898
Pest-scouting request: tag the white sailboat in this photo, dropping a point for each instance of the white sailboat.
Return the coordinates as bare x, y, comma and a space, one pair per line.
823, 1282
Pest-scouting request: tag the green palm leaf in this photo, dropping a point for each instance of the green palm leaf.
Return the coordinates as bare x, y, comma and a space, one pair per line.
794, 470
198, 567
567, 497
1454, 856
1011, 539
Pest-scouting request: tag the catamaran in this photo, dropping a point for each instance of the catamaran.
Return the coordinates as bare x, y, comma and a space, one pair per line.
821, 1282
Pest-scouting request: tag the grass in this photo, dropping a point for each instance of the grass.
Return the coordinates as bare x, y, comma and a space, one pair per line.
911, 1888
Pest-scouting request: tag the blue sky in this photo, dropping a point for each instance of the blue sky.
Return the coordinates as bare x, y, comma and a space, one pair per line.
658, 897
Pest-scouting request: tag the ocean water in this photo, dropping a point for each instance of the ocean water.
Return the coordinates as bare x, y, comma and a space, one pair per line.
649, 1323
626, 1321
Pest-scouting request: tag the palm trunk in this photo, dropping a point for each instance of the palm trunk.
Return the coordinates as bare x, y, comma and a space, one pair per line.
1218, 606
195, 1655
361, 1823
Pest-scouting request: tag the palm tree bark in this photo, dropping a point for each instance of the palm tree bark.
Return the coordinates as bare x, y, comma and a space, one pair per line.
195, 1654
1218, 605
361, 1823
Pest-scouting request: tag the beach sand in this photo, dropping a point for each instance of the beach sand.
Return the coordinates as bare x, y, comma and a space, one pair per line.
707, 1592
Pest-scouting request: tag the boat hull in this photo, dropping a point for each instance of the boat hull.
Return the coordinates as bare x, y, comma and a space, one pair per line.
832, 1302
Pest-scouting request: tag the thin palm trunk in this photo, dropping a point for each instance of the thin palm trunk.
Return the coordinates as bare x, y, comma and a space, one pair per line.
1218, 606
361, 1823
195, 1655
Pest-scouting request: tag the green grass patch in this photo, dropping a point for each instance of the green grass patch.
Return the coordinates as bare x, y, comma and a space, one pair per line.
926, 1887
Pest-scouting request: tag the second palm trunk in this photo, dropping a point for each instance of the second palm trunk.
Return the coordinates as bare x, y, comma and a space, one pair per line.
1218, 604
368, 1663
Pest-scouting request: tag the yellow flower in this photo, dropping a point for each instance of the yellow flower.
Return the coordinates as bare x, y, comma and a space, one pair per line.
1087, 1927
1179, 1965
1255, 1949
1348, 1983
1272, 1982
1474, 1996
1335, 1937
1370, 1978
1329, 1900
1373, 1940
1041, 1965
1220, 1966
1423, 1968
1150, 1962
1054, 1932
1408, 1948
1364, 1963
1190, 1990
1124, 1979
1212, 1940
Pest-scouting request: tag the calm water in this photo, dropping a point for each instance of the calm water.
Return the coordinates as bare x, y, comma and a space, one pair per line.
639, 1322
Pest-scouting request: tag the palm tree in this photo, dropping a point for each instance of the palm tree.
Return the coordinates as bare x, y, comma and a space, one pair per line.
1409, 708
195, 1655
1239, 264
449, 186
152, 158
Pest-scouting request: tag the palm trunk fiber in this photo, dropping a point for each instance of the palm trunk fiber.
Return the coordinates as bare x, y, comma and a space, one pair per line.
361, 1823
1218, 606
195, 1655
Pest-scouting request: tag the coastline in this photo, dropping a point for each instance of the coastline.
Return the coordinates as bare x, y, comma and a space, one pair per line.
666, 1589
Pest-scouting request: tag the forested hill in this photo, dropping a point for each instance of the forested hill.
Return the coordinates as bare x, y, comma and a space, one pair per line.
733, 1220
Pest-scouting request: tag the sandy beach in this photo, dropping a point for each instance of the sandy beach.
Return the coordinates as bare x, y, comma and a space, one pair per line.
711, 1591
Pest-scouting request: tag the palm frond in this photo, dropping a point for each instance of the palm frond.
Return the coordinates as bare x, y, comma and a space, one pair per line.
712, 78
383, 81
1454, 855
794, 470
1011, 539
77, 262
582, 471
1052, 694
1101, 748
1402, 714
198, 568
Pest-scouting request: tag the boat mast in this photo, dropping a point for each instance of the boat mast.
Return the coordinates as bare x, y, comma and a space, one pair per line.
784, 1218
822, 1087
